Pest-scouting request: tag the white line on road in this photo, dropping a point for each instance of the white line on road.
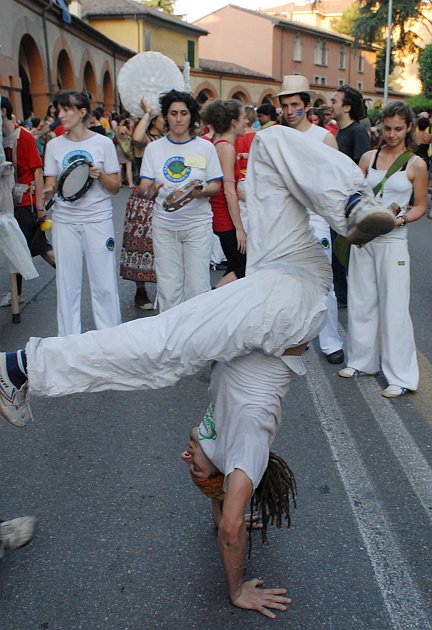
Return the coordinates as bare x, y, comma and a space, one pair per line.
401, 598
415, 466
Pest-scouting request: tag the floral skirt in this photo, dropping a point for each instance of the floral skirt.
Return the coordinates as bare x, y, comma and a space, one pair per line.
136, 260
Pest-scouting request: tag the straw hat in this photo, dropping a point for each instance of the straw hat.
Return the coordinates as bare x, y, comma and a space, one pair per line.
295, 84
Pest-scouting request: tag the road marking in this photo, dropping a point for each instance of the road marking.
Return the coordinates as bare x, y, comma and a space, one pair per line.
391, 571
415, 466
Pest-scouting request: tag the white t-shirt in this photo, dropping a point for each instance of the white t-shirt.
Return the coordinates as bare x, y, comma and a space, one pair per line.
240, 425
95, 205
173, 164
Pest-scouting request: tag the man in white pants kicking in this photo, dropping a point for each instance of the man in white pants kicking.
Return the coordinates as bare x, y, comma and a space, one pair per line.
280, 304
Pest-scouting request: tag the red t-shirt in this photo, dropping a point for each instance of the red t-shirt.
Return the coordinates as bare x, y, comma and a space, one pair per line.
332, 127
221, 217
28, 159
59, 130
242, 145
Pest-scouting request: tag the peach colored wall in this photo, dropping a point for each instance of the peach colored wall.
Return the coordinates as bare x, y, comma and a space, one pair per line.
252, 41
283, 55
238, 37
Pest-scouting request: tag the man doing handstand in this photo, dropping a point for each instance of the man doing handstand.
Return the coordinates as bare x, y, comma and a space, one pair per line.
228, 454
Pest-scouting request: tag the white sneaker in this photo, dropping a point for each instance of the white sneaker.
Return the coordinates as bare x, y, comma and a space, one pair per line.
393, 391
14, 403
367, 219
348, 372
6, 299
17, 532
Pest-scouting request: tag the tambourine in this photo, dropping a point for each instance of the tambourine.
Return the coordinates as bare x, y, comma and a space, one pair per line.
182, 195
146, 76
74, 181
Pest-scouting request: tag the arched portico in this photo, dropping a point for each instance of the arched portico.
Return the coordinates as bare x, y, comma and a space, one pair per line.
65, 75
108, 89
32, 74
204, 92
240, 93
268, 97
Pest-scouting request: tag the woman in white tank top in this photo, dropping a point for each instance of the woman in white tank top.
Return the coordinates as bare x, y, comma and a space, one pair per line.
379, 273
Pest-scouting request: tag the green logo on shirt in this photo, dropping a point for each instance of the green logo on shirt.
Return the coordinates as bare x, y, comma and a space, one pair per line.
207, 428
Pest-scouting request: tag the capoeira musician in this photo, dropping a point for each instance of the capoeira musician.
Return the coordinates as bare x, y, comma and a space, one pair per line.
277, 308
280, 304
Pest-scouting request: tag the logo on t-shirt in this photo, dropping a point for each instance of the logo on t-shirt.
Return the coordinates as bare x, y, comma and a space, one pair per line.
175, 170
73, 155
207, 428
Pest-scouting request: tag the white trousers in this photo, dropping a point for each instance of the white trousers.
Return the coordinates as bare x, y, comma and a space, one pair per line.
182, 263
378, 311
73, 242
329, 337
271, 310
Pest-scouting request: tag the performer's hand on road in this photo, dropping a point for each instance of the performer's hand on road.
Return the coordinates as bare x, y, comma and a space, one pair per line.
261, 599
241, 240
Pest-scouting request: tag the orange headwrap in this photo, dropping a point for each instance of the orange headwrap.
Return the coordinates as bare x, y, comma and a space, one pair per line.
212, 487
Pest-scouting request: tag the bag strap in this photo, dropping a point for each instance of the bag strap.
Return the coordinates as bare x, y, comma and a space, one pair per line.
400, 161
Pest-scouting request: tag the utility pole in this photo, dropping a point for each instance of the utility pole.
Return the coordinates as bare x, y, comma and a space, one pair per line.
388, 51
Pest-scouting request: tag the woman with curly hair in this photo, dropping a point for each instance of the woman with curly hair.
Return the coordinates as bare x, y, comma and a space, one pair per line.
182, 240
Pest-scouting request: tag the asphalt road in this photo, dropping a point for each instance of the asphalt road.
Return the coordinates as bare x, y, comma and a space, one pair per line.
126, 542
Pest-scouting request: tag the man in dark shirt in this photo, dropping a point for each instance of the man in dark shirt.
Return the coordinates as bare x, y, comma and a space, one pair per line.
348, 108
353, 140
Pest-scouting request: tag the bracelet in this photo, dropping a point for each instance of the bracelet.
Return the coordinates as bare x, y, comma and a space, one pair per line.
403, 216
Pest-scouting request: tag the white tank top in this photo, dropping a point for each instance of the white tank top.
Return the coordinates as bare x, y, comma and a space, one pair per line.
397, 188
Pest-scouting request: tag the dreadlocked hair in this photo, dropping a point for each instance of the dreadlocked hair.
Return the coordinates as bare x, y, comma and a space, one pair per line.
271, 499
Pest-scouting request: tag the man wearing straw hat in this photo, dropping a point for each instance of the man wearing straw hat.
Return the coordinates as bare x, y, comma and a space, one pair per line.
295, 101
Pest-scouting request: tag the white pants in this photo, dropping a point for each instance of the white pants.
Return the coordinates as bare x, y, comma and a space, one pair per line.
329, 337
71, 243
378, 302
271, 310
182, 263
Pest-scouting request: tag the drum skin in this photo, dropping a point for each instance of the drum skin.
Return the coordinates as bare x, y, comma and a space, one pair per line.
146, 76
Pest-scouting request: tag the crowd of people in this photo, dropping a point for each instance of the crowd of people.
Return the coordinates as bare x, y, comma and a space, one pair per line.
297, 246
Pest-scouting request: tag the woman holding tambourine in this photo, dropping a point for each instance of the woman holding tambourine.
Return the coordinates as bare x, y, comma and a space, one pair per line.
182, 240
82, 172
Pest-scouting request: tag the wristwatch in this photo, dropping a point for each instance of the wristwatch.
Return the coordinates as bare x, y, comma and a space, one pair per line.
403, 216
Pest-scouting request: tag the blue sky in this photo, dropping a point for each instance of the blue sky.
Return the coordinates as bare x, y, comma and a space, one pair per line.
194, 9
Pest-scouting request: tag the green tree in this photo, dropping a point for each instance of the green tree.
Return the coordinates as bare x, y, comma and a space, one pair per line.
344, 24
371, 24
167, 6
425, 65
